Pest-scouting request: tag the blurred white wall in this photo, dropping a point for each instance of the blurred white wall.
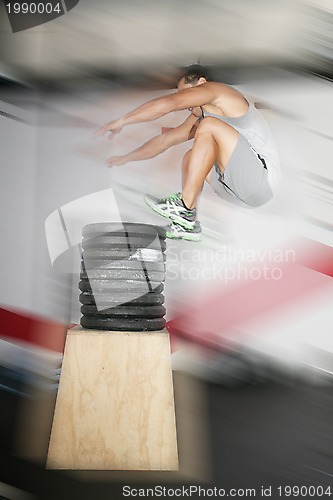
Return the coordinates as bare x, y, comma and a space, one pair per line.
115, 35
17, 195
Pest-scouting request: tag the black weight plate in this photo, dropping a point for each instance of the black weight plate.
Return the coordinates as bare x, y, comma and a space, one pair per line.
147, 299
122, 324
124, 254
119, 242
126, 311
122, 264
123, 274
123, 228
112, 287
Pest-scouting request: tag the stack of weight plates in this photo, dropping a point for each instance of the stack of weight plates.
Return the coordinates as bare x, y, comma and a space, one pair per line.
122, 276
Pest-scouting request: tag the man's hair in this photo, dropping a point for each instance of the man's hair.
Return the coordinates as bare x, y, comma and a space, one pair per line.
193, 73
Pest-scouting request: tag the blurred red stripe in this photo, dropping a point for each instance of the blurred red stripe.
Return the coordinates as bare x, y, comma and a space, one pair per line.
207, 321
38, 331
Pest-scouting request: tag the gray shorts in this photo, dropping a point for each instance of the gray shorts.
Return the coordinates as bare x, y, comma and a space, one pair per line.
245, 179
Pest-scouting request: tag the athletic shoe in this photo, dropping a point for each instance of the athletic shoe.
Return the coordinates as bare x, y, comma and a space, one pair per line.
173, 208
176, 232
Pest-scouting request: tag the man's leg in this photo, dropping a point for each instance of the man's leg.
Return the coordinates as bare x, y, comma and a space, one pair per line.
214, 141
185, 164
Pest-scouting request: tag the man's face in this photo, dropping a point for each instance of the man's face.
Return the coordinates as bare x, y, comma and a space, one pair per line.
181, 86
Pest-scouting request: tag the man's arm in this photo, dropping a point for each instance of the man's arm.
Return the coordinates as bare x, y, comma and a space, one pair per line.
151, 110
158, 144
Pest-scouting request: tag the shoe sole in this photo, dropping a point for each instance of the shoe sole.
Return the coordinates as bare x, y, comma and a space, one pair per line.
190, 237
175, 218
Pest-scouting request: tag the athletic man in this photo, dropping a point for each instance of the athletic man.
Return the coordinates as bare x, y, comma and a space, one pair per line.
233, 149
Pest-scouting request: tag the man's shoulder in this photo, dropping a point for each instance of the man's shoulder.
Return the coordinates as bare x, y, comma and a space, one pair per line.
219, 89
218, 85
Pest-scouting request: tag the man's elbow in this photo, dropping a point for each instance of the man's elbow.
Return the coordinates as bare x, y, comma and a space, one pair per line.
165, 130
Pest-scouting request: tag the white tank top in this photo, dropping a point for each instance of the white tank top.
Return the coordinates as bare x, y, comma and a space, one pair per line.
255, 129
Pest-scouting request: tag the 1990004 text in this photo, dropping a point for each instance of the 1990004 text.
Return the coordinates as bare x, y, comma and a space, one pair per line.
33, 8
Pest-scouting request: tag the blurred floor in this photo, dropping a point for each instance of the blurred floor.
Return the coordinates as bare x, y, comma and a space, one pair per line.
274, 434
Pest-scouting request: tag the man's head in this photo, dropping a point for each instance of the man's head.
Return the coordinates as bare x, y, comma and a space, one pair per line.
192, 76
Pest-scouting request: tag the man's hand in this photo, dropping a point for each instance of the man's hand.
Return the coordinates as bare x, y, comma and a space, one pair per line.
113, 127
116, 160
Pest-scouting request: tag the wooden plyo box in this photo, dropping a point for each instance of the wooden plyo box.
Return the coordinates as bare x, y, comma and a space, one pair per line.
115, 404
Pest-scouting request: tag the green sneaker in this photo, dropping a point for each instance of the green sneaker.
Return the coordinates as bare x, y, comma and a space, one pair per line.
176, 232
173, 208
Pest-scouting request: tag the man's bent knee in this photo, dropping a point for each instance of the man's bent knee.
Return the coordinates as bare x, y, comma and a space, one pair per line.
206, 124
211, 125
